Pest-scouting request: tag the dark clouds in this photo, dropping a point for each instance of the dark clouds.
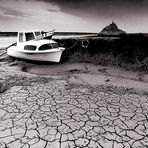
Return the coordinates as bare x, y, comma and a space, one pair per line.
97, 5
104, 8
96, 2
130, 15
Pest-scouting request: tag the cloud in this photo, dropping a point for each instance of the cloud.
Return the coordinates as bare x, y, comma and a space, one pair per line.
73, 14
103, 8
12, 13
52, 10
91, 2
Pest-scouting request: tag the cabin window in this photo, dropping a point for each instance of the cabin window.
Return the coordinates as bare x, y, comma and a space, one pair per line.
20, 37
45, 47
29, 36
30, 47
54, 45
38, 35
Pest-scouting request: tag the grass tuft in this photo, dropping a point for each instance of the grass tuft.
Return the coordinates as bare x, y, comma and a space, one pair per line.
3, 87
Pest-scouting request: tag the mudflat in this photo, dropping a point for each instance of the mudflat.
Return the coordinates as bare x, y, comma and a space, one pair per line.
71, 104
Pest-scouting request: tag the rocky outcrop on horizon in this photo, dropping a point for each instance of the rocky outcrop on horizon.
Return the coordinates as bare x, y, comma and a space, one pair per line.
112, 29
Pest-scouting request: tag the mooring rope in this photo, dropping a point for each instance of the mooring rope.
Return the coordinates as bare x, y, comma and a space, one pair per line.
11, 45
85, 44
82, 44
72, 45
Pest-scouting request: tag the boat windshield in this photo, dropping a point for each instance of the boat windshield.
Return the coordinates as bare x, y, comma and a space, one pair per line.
30, 47
29, 36
37, 33
45, 47
54, 45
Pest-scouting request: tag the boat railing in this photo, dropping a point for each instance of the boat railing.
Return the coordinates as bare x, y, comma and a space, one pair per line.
49, 33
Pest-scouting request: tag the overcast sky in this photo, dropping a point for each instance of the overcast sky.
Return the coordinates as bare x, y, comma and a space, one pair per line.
73, 15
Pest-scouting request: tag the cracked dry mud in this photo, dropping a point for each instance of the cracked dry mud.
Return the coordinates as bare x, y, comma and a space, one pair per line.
60, 114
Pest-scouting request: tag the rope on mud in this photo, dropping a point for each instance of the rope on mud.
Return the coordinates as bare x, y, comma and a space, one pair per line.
5, 49
11, 45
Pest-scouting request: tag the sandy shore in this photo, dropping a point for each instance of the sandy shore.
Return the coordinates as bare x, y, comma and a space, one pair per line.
71, 105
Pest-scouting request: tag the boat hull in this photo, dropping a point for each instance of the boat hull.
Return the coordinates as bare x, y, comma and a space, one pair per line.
54, 56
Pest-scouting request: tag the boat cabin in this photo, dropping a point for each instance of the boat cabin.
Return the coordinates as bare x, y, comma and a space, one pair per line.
37, 41
29, 35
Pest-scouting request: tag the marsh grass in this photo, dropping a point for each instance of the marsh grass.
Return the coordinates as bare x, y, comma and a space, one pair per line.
129, 51
109, 59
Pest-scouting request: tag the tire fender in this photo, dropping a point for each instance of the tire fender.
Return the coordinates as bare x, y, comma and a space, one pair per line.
85, 43
62, 43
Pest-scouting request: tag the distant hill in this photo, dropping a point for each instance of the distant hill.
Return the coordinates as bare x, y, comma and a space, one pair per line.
112, 29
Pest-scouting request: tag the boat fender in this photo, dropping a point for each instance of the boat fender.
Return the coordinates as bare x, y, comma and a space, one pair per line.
62, 43
85, 43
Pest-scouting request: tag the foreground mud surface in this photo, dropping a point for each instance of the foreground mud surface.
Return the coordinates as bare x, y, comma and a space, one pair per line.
58, 111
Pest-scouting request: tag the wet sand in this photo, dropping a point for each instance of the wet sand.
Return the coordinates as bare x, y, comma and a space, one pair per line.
71, 104
91, 74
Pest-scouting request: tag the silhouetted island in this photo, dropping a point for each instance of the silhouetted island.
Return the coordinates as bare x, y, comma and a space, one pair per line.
112, 29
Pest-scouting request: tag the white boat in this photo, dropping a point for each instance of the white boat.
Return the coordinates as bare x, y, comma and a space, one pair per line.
32, 46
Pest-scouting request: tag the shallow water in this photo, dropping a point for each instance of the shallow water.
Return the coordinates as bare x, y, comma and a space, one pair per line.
7, 41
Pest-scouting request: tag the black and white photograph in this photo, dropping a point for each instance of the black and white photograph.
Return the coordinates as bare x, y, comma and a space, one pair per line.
73, 73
